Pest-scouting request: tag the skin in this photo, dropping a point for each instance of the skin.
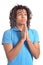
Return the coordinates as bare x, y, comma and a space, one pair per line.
11, 52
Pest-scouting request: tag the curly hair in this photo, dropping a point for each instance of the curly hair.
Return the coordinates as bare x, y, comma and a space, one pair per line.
13, 14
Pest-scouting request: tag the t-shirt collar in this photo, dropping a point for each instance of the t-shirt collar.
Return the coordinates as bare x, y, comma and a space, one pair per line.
16, 29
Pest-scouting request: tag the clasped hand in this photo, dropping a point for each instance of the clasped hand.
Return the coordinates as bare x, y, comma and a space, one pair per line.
25, 35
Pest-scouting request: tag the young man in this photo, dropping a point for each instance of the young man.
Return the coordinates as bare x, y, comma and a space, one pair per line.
20, 42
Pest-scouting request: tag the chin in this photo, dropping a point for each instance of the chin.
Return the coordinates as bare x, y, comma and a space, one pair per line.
22, 23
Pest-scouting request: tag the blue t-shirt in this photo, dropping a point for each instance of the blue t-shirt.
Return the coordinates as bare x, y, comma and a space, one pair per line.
13, 36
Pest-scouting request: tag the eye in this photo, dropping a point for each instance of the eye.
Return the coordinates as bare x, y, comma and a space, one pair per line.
19, 14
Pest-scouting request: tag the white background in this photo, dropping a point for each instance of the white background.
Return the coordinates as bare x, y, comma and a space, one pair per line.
36, 7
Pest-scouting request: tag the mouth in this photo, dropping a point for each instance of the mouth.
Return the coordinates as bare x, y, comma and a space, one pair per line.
23, 20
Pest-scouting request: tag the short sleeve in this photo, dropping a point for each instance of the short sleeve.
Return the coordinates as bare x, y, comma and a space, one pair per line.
7, 37
36, 36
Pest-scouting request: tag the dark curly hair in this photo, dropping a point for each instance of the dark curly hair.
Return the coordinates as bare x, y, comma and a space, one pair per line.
13, 14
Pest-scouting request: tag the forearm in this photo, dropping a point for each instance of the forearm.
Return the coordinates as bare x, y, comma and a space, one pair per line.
12, 54
35, 51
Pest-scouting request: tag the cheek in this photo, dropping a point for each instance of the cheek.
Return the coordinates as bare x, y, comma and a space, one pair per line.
19, 18
26, 18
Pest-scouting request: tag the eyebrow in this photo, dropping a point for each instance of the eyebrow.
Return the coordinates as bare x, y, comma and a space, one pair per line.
20, 12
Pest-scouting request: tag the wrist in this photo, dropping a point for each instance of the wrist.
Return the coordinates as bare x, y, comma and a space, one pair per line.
22, 40
28, 39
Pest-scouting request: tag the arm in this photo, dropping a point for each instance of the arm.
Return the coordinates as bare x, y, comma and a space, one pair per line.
34, 48
12, 52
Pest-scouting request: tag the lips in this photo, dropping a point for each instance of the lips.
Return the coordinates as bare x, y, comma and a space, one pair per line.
23, 19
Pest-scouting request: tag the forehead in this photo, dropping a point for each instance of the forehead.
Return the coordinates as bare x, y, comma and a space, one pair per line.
21, 10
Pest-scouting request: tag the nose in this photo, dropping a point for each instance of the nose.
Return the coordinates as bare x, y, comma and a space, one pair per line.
22, 15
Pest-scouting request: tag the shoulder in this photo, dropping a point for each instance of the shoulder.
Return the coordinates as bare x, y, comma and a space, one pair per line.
33, 30
35, 34
7, 37
7, 32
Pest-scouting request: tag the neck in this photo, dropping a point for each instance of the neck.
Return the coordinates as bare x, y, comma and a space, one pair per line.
20, 27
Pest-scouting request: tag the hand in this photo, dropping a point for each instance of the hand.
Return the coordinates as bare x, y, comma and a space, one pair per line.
24, 33
27, 36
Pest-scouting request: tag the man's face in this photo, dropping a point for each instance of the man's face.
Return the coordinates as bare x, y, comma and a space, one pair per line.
21, 17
